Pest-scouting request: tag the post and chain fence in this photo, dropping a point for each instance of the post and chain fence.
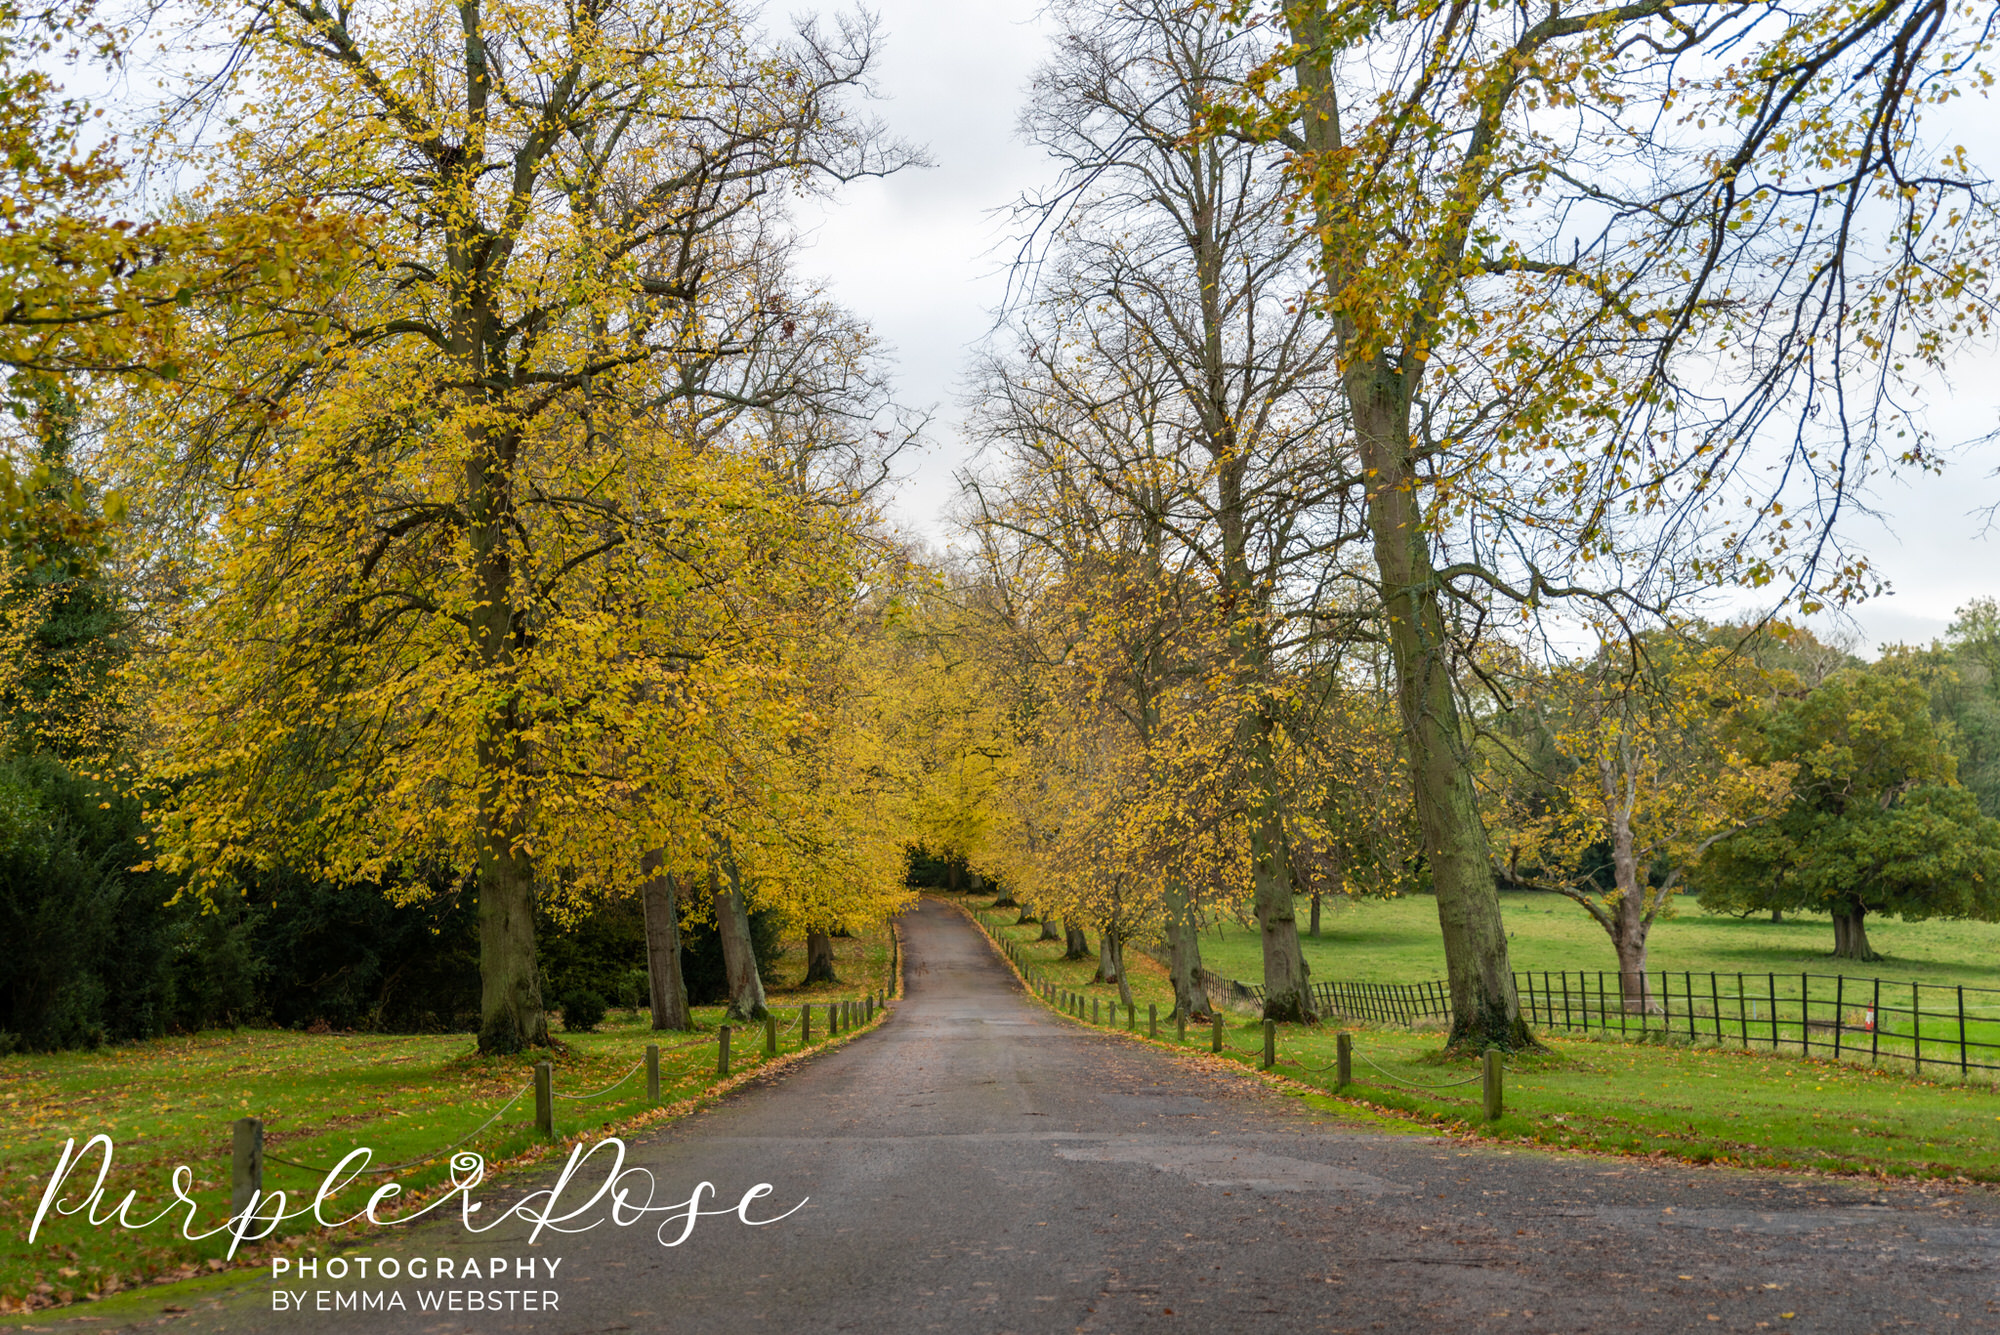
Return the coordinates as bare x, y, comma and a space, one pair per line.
248, 1154
1379, 998
1931, 1028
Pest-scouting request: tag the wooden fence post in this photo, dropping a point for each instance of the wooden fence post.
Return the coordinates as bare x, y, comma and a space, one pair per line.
1152, 1020
806, 1025
653, 1074
1180, 1024
1270, 1044
1131, 1017
1343, 1059
1491, 1084
545, 1100
1096, 1011
1215, 1020
722, 1051
770, 1033
246, 1164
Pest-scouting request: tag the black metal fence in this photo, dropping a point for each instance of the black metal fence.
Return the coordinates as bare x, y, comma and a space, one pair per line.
1936, 1027
1390, 1003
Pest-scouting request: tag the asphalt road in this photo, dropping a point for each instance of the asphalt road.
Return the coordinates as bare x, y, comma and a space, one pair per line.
978, 1164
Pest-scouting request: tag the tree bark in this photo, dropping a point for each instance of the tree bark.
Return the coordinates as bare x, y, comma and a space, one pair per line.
1629, 922
1850, 933
660, 898
510, 987
1076, 946
1118, 964
739, 960
1287, 997
1107, 957
1049, 932
510, 1000
1634, 990
1184, 954
819, 959
1315, 913
1379, 381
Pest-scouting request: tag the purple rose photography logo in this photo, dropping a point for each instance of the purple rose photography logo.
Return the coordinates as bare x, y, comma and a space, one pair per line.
589, 1192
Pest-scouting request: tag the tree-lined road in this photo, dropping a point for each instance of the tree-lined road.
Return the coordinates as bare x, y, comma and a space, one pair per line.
979, 1164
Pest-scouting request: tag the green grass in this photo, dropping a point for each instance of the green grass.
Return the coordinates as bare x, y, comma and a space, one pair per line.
1397, 941
172, 1102
1694, 1101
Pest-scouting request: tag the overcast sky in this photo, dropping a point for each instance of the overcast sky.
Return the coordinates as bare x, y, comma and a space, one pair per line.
916, 256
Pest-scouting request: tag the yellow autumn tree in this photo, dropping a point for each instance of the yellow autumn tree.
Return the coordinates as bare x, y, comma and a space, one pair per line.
1625, 297
487, 555
1625, 767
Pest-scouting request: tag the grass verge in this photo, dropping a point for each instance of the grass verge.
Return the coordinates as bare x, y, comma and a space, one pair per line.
1688, 1101
172, 1102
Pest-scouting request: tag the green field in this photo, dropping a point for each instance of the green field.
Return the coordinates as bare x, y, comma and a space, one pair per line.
1396, 941
1695, 1101
173, 1101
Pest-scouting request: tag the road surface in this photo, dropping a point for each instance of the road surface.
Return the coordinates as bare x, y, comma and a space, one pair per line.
979, 1164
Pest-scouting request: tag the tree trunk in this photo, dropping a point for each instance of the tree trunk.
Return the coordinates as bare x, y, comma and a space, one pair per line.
1629, 925
739, 960
1049, 932
1850, 933
1485, 1010
819, 959
1184, 954
1379, 380
1633, 988
1777, 915
1118, 965
1315, 914
510, 987
660, 898
1027, 918
1107, 956
1287, 997
1076, 946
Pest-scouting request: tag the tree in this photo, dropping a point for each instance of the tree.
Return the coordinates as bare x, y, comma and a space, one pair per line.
1877, 823
1641, 772
491, 542
1962, 678
83, 291
1590, 270
1167, 390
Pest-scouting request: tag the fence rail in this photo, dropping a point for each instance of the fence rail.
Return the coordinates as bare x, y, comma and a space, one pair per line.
1931, 1027
1393, 1003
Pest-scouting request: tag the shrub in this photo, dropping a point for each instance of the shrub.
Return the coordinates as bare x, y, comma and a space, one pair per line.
583, 1010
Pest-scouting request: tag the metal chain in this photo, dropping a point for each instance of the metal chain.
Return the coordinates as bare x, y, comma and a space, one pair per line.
411, 1163
585, 1098
1449, 1084
569, 1098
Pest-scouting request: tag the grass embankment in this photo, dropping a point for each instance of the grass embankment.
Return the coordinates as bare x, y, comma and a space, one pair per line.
173, 1101
1695, 1102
